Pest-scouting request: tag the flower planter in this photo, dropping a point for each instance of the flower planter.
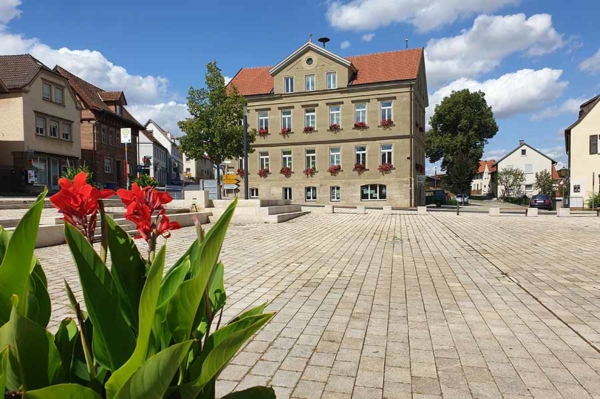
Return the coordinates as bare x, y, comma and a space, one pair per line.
385, 168
287, 172
309, 129
309, 172
263, 132
240, 172
387, 123
334, 169
263, 172
334, 128
285, 132
359, 168
360, 125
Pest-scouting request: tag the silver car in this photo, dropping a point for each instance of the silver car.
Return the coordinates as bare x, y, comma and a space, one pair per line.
462, 199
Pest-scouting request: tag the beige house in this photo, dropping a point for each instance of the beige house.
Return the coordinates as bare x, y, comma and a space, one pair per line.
39, 124
197, 169
482, 181
337, 130
581, 143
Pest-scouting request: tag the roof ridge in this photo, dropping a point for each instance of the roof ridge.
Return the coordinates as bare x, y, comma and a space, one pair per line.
78, 78
387, 52
259, 67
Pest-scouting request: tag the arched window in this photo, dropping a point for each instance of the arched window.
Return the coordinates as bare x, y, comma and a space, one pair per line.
373, 192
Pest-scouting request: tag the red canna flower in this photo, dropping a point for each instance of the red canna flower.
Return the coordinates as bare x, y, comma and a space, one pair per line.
78, 202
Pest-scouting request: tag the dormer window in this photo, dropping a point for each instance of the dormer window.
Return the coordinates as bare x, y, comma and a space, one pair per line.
118, 110
288, 84
331, 80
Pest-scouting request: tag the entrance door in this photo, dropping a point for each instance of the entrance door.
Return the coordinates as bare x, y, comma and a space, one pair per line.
54, 174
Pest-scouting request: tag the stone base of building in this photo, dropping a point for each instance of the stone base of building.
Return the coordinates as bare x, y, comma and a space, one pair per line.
33, 171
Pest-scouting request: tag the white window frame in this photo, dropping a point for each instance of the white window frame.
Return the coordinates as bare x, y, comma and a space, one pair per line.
50, 134
108, 167
288, 84
68, 131
44, 95
523, 152
40, 172
335, 115
287, 193
387, 110
286, 159
263, 160
335, 193
360, 114
310, 159
310, 82
361, 154
286, 119
263, 120
310, 193
335, 156
253, 192
62, 95
387, 151
310, 117
37, 127
331, 80
373, 188
528, 187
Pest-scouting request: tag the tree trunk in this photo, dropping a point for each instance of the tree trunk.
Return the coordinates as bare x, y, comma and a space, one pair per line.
219, 180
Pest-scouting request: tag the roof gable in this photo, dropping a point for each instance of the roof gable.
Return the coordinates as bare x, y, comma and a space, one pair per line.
528, 146
304, 48
18, 71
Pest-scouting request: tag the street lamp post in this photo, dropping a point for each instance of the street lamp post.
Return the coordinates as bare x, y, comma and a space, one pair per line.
246, 190
434, 177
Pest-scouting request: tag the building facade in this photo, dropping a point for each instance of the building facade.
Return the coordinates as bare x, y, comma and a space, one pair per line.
530, 161
582, 145
482, 181
103, 115
39, 125
153, 158
174, 159
337, 130
197, 169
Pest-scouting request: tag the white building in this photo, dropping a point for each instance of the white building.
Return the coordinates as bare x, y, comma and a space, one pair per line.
581, 143
153, 157
168, 141
482, 181
197, 169
530, 161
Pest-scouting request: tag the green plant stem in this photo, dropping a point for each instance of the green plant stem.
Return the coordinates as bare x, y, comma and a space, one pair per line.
89, 358
220, 317
152, 246
103, 232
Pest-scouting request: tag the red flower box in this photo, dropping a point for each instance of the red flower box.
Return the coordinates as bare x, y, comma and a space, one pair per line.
309, 172
334, 127
385, 168
287, 172
263, 172
309, 129
263, 132
334, 169
359, 167
387, 123
285, 131
240, 172
360, 125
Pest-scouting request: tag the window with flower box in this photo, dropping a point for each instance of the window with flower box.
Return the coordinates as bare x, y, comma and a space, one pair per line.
311, 194
264, 160
331, 80
386, 111
334, 193
309, 81
373, 192
286, 159
360, 112
335, 156
386, 154
310, 117
335, 115
53, 132
40, 125
311, 159
287, 193
253, 192
288, 83
286, 119
263, 122
361, 155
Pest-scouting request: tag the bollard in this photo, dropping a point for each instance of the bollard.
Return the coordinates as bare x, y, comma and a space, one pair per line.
563, 212
421, 210
387, 210
361, 210
328, 209
495, 211
532, 212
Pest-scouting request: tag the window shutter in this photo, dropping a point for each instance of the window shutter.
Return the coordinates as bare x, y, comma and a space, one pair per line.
594, 144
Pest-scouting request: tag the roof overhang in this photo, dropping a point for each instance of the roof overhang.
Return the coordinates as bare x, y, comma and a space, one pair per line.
317, 49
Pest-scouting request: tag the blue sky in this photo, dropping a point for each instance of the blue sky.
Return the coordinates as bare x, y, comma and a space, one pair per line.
536, 60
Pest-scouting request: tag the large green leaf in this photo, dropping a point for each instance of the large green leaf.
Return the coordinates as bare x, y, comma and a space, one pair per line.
178, 272
3, 369
216, 291
18, 260
36, 361
113, 341
253, 393
66, 339
4, 240
63, 391
220, 356
128, 269
147, 311
39, 305
152, 379
252, 312
183, 306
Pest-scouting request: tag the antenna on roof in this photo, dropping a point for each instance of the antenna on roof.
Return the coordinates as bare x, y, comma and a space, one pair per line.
324, 40
407, 38
310, 37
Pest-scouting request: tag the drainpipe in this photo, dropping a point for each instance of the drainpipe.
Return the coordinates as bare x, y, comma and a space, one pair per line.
411, 148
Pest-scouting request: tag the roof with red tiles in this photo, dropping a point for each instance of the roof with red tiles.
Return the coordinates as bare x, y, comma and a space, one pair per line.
490, 164
555, 175
17, 71
371, 68
92, 96
112, 96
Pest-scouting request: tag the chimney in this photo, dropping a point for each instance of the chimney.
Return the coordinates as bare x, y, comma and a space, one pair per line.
521, 142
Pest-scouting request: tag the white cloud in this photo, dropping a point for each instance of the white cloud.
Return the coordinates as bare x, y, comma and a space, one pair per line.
483, 47
9, 9
495, 154
570, 106
367, 37
165, 114
513, 93
425, 15
591, 64
227, 79
345, 44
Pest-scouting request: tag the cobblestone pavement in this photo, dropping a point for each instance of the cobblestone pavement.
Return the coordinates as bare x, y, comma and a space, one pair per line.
407, 306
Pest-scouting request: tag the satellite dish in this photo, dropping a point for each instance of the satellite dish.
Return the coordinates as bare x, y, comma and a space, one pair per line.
324, 40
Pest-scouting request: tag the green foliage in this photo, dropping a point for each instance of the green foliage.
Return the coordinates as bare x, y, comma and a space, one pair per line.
145, 181
544, 183
71, 171
593, 200
461, 126
510, 181
143, 336
214, 127
523, 200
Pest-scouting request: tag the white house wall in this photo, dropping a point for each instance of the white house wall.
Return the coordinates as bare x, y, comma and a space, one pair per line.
537, 161
584, 165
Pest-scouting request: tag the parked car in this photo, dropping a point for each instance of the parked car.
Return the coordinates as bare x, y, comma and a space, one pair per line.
462, 199
437, 197
542, 202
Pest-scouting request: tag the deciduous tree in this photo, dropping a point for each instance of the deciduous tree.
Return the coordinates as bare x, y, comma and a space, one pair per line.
510, 181
544, 183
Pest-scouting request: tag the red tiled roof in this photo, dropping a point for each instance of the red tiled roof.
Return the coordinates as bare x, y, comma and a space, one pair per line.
372, 68
17, 71
111, 96
555, 175
490, 164
92, 95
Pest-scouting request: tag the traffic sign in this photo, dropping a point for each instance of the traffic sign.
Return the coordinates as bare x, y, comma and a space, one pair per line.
125, 135
230, 179
230, 186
